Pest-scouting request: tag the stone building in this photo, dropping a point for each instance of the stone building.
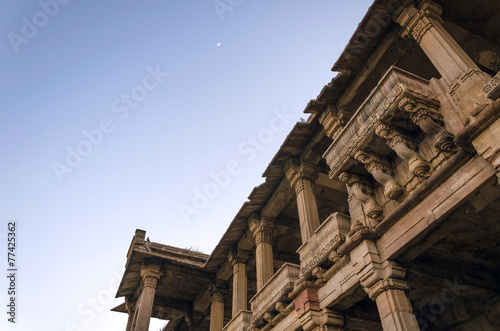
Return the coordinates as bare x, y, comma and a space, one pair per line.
380, 212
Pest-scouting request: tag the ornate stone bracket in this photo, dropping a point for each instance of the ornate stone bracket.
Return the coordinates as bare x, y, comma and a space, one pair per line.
426, 116
405, 148
333, 122
360, 188
381, 170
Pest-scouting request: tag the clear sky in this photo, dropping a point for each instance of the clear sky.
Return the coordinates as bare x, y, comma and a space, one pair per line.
158, 115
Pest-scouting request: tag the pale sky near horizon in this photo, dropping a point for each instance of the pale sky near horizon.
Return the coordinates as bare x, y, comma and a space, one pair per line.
118, 115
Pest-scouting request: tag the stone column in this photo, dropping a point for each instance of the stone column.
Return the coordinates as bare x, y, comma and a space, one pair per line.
239, 260
130, 306
301, 178
150, 273
393, 306
217, 291
463, 77
262, 230
382, 280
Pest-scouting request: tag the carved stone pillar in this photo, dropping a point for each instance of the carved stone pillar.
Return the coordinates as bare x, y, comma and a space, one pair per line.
405, 148
393, 306
301, 178
262, 230
239, 260
361, 202
150, 273
459, 72
217, 291
130, 306
426, 116
381, 170
382, 280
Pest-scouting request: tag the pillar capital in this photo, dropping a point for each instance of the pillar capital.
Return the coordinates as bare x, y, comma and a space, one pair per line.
236, 256
297, 172
217, 290
385, 285
262, 229
417, 21
150, 272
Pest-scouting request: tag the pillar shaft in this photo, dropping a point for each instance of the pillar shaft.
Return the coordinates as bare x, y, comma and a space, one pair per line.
394, 307
301, 178
262, 230
239, 260
239, 288
308, 210
129, 322
217, 310
150, 274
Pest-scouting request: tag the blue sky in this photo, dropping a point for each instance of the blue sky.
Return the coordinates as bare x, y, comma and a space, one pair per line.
117, 115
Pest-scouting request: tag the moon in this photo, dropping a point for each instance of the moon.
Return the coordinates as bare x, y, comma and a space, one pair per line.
218, 44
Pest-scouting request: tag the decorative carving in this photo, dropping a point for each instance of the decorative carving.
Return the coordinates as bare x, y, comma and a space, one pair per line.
492, 89
386, 284
428, 119
381, 170
360, 188
217, 291
237, 256
333, 122
319, 272
280, 306
404, 147
150, 273
150, 282
297, 175
268, 317
262, 230
418, 22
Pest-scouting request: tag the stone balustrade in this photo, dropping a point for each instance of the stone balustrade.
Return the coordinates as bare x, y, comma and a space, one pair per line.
274, 291
241, 322
329, 236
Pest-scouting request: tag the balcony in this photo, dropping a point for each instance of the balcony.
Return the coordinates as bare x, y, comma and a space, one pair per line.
241, 322
274, 291
328, 237
390, 146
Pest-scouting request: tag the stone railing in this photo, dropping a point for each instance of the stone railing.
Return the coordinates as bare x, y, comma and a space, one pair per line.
241, 322
274, 291
383, 105
329, 236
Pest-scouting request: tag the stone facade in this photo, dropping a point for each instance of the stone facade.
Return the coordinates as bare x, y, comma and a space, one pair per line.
380, 212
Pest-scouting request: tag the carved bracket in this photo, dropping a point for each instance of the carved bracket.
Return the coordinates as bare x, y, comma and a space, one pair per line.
360, 188
426, 116
405, 148
381, 170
